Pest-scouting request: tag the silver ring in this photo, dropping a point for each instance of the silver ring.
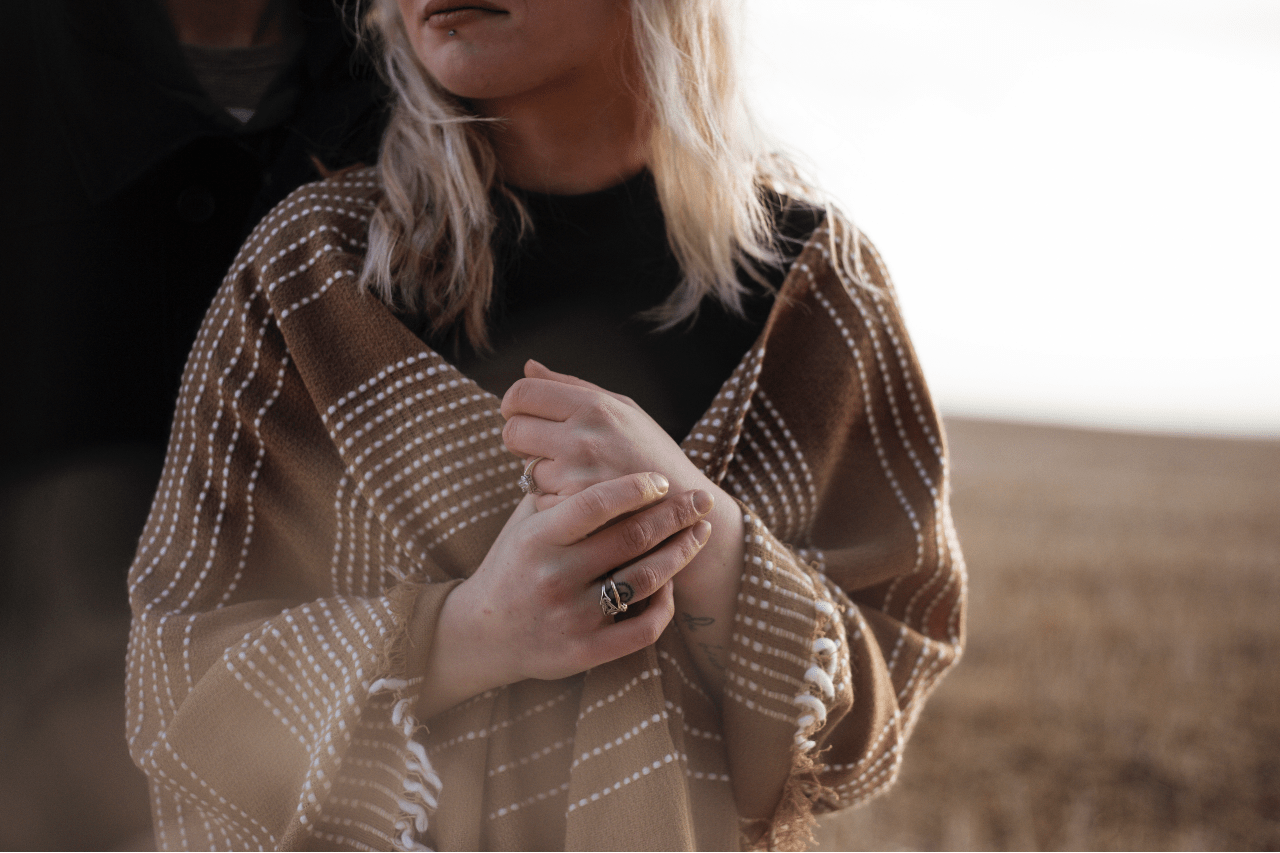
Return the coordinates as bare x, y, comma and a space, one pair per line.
610, 600
527, 485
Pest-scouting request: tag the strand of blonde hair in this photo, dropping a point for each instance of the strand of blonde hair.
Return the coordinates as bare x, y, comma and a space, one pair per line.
430, 239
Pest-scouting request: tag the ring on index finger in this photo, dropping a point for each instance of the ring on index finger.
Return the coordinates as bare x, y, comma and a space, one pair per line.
610, 599
526, 481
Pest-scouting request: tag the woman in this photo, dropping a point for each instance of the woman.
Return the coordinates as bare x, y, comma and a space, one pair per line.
352, 629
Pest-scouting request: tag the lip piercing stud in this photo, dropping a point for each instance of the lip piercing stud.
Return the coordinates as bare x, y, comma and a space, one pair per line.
453, 32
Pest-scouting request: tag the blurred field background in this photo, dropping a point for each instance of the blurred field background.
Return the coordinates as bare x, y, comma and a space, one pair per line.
1119, 690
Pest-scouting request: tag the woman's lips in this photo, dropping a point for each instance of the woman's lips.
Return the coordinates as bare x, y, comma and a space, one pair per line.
459, 15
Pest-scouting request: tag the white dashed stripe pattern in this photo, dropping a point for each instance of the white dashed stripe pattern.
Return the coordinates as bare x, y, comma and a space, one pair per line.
330, 478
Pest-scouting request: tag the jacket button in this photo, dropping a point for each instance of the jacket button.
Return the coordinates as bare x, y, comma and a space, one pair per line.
196, 205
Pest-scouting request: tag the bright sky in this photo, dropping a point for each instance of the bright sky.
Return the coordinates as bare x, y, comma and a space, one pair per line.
1079, 200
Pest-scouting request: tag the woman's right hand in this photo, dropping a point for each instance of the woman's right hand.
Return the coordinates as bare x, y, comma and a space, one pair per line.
532, 608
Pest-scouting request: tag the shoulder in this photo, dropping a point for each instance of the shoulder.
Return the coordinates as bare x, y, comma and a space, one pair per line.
840, 298
838, 256
338, 207
795, 219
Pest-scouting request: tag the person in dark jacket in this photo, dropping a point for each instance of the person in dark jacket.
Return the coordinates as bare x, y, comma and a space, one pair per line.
150, 136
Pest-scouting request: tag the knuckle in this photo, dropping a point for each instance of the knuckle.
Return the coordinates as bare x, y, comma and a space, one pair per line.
603, 412
615, 411
683, 512
689, 549
587, 448
537, 589
646, 579
508, 405
593, 412
547, 583
510, 431
590, 504
636, 535
643, 486
650, 632
517, 395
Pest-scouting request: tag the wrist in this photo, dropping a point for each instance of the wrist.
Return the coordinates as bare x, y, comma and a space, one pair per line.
706, 593
460, 659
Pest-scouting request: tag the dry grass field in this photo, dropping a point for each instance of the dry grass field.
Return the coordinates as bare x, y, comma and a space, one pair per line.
1120, 689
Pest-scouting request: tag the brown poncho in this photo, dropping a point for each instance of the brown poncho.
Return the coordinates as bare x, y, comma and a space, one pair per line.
328, 473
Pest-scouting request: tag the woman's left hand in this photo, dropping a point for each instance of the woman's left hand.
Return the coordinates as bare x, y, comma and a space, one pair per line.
587, 435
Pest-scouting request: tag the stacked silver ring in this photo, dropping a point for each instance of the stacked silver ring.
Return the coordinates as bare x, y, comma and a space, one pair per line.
610, 599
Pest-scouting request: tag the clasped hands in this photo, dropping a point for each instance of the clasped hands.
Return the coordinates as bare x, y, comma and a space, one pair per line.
620, 499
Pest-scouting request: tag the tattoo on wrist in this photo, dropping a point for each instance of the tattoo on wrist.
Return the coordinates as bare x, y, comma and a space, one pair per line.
625, 591
693, 623
715, 656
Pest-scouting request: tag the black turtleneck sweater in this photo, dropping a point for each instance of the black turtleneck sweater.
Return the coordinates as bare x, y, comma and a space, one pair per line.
569, 295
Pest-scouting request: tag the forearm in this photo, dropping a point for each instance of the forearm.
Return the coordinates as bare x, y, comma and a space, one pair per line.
706, 609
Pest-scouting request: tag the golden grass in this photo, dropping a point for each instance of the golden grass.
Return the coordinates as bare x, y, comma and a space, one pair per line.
1120, 689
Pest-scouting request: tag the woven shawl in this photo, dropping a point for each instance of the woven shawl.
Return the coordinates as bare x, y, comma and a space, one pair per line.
327, 474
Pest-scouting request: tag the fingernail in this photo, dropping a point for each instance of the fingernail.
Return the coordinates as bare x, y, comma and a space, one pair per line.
703, 502
702, 532
660, 483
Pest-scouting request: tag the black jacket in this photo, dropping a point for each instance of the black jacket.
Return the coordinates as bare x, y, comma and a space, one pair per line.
130, 192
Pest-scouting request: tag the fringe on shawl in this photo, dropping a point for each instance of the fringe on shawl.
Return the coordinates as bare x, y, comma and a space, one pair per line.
420, 794
793, 821
791, 827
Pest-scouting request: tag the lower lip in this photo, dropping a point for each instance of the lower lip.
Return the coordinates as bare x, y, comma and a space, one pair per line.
460, 17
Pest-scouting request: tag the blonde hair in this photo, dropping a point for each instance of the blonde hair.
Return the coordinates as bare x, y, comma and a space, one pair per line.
430, 250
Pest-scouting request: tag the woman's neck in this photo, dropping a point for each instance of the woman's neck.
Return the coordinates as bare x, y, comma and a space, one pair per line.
572, 149
583, 135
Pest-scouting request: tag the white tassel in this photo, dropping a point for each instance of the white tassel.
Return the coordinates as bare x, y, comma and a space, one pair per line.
814, 704
420, 779
818, 677
825, 646
415, 811
426, 795
387, 684
408, 842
